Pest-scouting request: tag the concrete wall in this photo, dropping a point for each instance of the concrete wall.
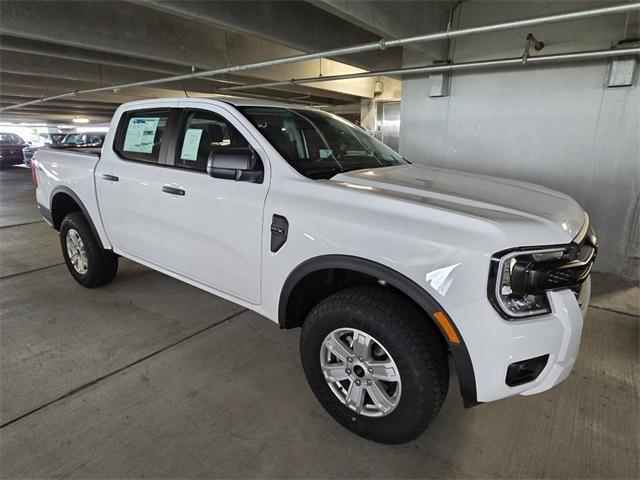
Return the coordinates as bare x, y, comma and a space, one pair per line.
555, 126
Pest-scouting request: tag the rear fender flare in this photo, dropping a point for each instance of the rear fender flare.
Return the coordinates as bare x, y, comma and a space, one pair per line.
61, 189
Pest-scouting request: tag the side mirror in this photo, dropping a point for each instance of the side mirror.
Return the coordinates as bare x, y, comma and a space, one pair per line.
235, 163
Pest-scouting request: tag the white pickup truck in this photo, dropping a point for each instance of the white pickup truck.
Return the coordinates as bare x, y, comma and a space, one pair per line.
389, 267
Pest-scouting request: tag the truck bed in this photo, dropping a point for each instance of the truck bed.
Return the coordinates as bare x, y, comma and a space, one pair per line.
95, 151
70, 172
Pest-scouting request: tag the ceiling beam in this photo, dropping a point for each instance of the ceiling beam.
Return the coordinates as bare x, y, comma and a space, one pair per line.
10, 43
153, 35
396, 19
295, 24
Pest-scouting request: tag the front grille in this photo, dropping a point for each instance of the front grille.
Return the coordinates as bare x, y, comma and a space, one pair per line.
568, 276
572, 271
530, 277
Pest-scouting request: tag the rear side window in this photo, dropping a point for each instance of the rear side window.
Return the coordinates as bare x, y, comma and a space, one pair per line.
140, 135
200, 133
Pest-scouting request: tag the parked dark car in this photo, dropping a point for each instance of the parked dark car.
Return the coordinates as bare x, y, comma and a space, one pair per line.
11, 146
44, 139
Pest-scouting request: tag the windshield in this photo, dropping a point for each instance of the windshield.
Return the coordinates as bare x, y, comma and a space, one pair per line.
83, 139
48, 138
72, 138
10, 139
318, 144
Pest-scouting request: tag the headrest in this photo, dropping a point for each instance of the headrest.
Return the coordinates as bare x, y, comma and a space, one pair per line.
275, 133
214, 133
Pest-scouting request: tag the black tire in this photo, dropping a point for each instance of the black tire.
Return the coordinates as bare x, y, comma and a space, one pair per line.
102, 265
409, 337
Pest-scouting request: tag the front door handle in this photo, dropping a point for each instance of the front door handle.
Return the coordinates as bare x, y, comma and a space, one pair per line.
173, 190
111, 178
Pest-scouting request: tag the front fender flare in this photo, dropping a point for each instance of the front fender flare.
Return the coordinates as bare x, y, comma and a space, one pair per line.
420, 296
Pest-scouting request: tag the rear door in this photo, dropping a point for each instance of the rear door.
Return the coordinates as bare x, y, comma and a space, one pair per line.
212, 227
128, 182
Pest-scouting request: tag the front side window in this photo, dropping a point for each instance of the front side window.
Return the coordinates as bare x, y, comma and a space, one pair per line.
317, 144
201, 133
140, 135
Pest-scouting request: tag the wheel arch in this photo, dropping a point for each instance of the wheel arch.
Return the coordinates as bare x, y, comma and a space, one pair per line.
64, 201
341, 271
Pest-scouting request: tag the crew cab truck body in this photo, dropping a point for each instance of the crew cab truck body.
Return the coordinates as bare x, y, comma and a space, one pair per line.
387, 266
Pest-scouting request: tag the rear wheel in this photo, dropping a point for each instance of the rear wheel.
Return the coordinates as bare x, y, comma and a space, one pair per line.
375, 363
87, 261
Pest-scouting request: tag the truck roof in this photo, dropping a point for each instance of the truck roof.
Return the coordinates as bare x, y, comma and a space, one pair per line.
235, 101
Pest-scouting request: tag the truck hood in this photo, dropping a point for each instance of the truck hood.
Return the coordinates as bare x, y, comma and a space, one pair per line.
530, 214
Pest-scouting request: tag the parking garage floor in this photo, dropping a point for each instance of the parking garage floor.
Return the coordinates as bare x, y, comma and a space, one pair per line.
150, 377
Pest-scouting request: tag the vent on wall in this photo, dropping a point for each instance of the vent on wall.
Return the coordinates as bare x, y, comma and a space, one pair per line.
439, 84
622, 71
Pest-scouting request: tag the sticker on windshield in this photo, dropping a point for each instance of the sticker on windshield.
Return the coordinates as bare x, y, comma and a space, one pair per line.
140, 135
191, 144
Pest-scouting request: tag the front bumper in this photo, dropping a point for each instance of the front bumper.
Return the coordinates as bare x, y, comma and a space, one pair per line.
7, 160
570, 314
494, 343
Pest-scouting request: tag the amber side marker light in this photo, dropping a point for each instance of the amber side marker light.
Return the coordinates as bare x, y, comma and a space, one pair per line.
446, 326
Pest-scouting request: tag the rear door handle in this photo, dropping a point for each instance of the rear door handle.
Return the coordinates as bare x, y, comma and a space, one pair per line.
111, 178
173, 190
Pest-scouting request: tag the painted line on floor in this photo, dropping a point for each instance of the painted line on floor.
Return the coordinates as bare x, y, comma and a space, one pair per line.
11, 275
20, 224
619, 312
121, 369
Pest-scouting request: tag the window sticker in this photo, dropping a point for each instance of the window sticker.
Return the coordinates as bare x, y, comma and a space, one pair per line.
325, 153
191, 144
140, 134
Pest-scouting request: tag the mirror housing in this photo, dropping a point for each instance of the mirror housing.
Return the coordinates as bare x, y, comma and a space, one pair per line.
241, 164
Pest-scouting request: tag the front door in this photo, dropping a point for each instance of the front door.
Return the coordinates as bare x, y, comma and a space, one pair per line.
212, 228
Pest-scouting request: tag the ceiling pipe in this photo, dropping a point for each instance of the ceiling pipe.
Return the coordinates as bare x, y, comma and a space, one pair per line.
497, 63
381, 45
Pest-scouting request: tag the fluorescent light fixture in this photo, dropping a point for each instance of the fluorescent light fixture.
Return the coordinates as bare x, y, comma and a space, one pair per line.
80, 120
92, 129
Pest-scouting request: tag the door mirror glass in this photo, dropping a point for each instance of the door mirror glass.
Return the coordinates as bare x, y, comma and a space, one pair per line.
240, 164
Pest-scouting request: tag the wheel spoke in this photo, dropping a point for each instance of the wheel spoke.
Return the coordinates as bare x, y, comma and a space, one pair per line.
363, 373
334, 372
76, 252
362, 345
379, 396
338, 348
355, 397
385, 370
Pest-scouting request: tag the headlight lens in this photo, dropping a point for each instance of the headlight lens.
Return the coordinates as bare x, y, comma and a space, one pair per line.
517, 288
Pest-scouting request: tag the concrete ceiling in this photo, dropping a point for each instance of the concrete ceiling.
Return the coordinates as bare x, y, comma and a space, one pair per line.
49, 48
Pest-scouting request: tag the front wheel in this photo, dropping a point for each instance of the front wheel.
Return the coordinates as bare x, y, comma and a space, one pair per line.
375, 362
87, 261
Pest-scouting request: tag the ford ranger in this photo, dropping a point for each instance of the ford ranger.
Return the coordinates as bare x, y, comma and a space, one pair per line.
389, 267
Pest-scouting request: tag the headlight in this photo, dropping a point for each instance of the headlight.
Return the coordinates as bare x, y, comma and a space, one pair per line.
519, 280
